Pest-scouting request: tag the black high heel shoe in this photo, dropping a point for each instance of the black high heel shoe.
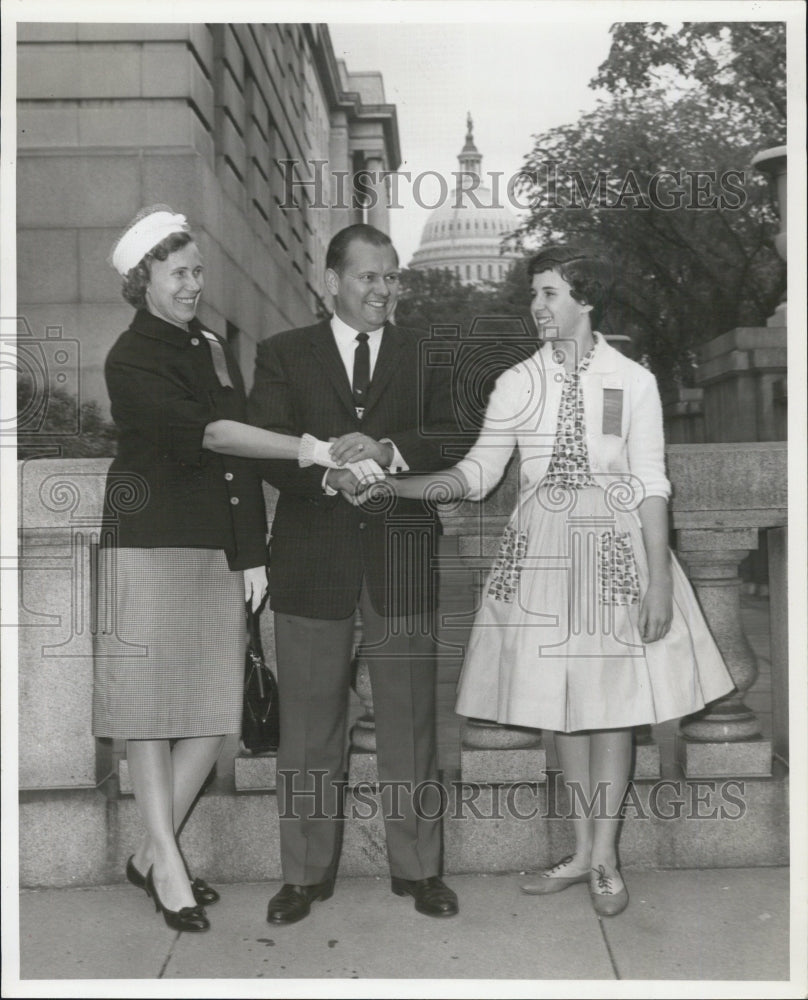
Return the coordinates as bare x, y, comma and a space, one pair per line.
204, 894
188, 918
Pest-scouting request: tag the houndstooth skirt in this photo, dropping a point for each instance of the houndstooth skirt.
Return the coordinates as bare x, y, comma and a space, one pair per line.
169, 644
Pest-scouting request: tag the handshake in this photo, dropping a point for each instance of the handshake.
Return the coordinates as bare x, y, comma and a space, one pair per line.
354, 454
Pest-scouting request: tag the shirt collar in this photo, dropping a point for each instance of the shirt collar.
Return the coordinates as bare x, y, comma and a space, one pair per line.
346, 335
546, 351
150, 325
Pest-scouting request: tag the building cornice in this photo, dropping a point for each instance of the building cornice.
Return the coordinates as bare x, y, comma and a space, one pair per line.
350, 101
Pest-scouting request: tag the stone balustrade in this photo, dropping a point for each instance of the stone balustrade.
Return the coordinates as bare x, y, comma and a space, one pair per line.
725, 493
70, 782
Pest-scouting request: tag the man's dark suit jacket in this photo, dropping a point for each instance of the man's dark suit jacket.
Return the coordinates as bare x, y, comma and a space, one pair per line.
321, 546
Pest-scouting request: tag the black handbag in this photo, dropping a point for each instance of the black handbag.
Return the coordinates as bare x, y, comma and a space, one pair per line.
260, 720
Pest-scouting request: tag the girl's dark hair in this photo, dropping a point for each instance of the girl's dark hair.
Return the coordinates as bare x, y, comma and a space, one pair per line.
588, 273
137, 279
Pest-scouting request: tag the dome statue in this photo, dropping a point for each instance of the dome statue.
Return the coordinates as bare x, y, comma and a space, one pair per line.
465, 234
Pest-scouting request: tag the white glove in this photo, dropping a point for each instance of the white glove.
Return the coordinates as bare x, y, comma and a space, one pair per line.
255, 586
315, 452
368, 471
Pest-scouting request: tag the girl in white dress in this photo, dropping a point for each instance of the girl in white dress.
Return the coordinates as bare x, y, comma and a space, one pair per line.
588, 625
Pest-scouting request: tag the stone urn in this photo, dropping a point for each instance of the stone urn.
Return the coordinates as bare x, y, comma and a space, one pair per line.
772, 162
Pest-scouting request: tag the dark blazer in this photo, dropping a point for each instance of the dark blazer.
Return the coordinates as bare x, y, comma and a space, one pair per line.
321, 546
163, 391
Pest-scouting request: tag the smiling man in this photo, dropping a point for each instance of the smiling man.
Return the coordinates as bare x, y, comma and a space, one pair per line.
355, 377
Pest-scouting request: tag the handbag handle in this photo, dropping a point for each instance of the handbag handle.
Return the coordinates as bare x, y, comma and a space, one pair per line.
254, 631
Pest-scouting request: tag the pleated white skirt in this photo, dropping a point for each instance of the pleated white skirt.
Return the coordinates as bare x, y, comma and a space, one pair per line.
555, 643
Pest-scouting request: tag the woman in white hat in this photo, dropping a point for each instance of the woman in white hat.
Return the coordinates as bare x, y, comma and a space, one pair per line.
183, 545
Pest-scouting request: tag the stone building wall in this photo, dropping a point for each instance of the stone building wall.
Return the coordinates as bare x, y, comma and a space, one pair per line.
205, 118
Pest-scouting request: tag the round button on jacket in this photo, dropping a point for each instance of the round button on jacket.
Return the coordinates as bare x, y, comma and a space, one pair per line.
234, 500
228, 476
195, 341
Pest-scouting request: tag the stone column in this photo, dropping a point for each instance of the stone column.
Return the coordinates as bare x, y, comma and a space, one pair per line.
726, 738
740, 373
377, 213
340, 170
722, 495
778, 622
773, 162
647, 756
683, 413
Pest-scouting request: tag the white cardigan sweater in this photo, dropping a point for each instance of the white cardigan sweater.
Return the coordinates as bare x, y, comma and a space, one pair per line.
623, 416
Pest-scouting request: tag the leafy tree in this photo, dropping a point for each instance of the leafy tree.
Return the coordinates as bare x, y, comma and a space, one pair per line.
740, 65
658, 175
438, 296
68, 430
434, 296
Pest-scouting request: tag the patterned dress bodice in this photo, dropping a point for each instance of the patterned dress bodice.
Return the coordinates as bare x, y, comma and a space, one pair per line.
618, 582
569, 465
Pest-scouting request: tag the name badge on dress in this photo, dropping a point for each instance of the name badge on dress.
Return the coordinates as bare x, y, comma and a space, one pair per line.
612, 410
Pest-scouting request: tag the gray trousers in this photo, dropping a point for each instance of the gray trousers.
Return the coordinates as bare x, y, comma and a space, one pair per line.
314, 675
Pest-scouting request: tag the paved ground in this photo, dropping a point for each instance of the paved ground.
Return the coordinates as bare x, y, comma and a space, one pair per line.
726, 931
711, 926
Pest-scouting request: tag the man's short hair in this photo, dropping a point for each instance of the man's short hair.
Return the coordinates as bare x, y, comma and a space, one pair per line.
588, 273
338, 247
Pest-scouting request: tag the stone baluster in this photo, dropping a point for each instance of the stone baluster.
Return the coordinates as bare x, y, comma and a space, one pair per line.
647, 759
773, 162
710, 740
778, 619
723, 493
494, 753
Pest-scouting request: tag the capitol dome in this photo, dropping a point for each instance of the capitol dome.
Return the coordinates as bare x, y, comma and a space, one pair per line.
465, 234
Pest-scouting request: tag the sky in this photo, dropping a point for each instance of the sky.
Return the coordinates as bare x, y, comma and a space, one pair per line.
517, 78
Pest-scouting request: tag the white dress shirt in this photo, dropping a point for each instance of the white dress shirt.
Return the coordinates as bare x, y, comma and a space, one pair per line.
345, 339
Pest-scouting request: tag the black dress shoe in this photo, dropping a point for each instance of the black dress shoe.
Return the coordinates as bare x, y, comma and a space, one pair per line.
431, 896
293, 902
203, 893
187, 918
